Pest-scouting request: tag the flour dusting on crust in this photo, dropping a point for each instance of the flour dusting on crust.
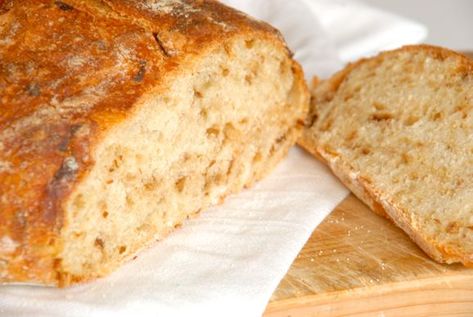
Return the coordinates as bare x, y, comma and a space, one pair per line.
175, 7
7, 245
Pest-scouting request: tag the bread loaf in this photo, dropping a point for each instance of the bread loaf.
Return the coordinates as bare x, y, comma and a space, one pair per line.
397, 130
119, 119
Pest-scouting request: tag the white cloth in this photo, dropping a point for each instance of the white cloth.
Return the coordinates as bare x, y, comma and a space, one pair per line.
359, 31
228, 261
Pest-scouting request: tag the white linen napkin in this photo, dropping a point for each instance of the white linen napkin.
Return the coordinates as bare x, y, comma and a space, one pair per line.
359, 31
228, 261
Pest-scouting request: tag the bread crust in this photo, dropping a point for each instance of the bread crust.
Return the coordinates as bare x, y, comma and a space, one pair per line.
360, 185
69, 72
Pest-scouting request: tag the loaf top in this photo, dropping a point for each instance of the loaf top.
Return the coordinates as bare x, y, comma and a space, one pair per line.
69, 71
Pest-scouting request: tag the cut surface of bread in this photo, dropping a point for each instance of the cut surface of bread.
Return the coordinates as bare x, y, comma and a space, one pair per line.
120, 119
397, 129
204, 138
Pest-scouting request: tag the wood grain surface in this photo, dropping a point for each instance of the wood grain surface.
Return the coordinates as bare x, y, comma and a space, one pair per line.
359, 264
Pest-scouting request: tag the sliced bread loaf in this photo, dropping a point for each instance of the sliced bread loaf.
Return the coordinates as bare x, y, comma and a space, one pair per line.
397, 129
119, 119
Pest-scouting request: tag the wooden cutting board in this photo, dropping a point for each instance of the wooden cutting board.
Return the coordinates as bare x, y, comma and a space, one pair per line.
359, 264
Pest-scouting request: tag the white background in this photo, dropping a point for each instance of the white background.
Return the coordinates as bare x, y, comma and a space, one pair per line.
450, 22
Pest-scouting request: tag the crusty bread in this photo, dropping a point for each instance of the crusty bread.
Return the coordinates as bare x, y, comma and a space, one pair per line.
119, 119
397, 129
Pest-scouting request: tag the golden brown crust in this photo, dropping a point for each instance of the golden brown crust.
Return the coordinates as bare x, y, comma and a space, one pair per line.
361, 186
69, 71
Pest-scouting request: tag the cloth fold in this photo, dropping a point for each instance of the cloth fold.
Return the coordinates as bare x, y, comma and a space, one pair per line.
229, 260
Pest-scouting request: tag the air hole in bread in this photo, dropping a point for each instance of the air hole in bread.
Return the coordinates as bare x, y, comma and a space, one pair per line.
204, 114
78, 235
249, 79
378, 105
327, 125
213, 131
231, 167
150, 184
453, 227
258, 157
198, 94
437, 116
463, 109
206, 86
114, 165
250, 43
406, 158
255, 68
180, 184
130, 177
352, 135
283, 67
99, 243
243, 121
381, 116
228, 50
79, 202
277, 144
230, 132
347, 97
122, 249
225, 71
411, 120
413, 176
129, 201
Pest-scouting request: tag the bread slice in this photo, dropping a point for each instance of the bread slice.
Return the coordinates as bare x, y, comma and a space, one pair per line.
397, 129
120, 119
